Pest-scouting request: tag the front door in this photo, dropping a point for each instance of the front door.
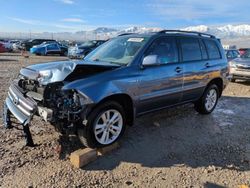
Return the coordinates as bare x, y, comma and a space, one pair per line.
161, 85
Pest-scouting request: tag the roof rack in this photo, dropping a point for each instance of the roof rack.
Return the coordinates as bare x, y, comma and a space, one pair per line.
189, 32
125, 34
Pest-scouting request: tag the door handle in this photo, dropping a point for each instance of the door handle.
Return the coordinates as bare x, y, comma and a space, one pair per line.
207, 65
178, 69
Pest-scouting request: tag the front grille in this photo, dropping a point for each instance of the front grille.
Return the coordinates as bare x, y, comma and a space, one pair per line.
25, 105
243, 70
241, 66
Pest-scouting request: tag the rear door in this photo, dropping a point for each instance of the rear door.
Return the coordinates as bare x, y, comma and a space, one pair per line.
161, 85
201, 58
195, 66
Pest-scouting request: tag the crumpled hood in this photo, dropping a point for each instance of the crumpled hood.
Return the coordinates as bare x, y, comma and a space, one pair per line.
61, 70
60, 65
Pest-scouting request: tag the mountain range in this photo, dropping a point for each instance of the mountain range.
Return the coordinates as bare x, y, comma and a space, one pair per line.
225, 32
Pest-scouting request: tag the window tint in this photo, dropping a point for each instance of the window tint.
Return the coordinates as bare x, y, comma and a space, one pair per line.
165, 49
229, 54
203, 50
190, 49
52, 47
236, 54
213, 50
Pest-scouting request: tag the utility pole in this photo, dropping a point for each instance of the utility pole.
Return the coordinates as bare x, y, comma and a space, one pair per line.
30, 33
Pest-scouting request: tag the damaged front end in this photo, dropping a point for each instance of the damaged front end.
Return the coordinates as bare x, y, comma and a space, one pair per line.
39, 91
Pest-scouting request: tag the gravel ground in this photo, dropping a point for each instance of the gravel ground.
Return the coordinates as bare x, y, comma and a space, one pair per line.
172, 148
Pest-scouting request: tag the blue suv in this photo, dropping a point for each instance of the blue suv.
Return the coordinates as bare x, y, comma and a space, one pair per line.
128, 76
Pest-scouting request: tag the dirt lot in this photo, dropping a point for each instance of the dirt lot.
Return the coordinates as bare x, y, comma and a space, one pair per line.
172, 148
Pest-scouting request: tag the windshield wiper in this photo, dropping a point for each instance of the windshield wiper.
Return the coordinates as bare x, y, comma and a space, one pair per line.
111, 62
117, 63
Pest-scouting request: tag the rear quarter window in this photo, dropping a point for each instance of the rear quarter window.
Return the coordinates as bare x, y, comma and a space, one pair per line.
190, 48
213, 49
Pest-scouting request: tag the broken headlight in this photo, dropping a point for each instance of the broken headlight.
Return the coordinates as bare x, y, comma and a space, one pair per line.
44, 75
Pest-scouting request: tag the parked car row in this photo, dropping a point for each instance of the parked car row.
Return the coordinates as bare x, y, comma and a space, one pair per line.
7, 45
50, 46
81, 50
27, 45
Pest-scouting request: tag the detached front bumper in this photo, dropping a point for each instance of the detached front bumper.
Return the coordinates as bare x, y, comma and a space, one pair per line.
21, 106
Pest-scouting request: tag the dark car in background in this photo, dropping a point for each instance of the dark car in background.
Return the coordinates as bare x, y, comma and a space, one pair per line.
232, 54
81, 50
26, 45
243, 50
50, 48
2, 48
239, 68
126, 77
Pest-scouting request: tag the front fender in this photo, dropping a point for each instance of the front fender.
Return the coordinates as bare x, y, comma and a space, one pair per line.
95, 91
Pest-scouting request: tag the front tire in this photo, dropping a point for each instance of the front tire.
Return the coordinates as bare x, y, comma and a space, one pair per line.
207, 103
106, 124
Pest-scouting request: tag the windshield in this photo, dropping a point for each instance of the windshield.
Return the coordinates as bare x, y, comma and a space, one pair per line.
119, 50
246, 54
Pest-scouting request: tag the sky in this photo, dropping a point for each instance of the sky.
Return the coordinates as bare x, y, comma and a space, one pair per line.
77, 15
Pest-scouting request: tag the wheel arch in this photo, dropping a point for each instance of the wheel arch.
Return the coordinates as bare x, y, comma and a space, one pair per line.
219, 83
127, 103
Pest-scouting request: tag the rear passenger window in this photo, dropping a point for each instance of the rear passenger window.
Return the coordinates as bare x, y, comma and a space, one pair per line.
165, 49
190, 49
213, 50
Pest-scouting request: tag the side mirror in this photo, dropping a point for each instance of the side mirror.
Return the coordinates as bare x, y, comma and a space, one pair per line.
150, 60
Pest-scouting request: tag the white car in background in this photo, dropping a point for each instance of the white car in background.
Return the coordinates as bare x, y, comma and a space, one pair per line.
11, 45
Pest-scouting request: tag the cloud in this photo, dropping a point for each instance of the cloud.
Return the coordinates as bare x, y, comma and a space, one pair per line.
69, 2
51, 25
197, 10
69, 27
25, 21
75, 20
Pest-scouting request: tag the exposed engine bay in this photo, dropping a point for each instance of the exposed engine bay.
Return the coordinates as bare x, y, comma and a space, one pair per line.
54, 105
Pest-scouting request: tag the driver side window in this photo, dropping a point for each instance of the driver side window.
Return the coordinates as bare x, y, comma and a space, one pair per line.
165, 49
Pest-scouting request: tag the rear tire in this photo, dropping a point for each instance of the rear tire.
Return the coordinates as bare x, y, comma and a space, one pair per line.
207, 103
65, 53
100, 130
